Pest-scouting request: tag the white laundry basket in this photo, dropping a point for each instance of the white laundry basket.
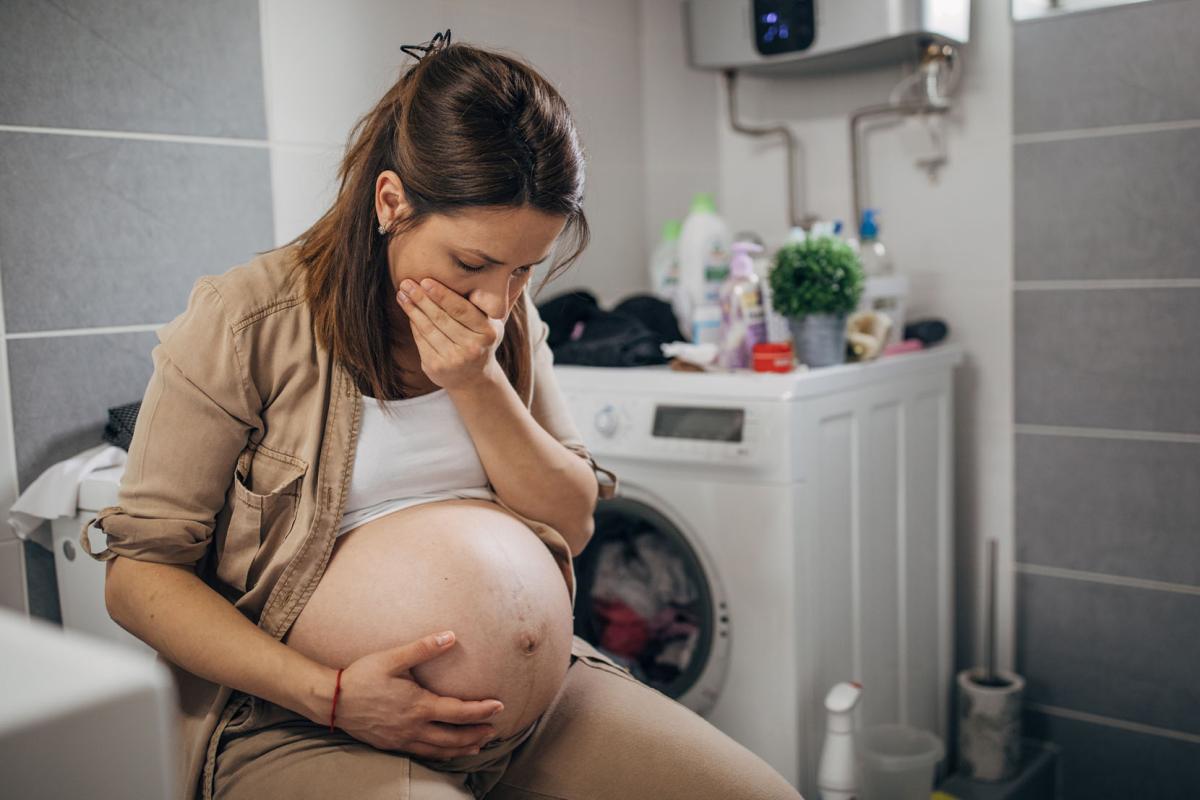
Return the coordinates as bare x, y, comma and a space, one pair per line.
897, 762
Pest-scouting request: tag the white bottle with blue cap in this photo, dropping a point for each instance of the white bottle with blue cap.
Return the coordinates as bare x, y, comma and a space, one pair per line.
871, 253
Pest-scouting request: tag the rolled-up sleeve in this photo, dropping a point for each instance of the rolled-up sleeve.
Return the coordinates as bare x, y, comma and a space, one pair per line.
549, 407
195, 419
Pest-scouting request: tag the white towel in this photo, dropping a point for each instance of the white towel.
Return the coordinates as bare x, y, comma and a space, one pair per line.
55, 493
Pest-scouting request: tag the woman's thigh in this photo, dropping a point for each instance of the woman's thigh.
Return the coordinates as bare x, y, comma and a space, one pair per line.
609, 735
272, 753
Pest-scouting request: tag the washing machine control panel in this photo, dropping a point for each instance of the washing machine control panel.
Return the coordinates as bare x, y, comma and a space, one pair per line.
726, 433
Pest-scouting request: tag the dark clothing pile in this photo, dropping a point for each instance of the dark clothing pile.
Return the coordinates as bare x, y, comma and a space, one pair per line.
629, 335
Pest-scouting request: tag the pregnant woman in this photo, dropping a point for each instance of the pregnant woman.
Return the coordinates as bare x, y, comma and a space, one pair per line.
354, 492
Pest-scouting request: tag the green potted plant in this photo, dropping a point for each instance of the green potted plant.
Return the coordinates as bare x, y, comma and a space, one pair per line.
816, 284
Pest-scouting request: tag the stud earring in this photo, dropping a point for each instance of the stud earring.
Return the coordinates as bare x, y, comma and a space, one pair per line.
382, 228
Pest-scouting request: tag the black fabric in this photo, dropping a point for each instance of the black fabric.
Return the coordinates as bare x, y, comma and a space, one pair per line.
561, 312
655, 314
583, 333
929, 331
121, 420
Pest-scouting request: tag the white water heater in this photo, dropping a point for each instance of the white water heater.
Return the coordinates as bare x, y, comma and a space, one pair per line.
790, 37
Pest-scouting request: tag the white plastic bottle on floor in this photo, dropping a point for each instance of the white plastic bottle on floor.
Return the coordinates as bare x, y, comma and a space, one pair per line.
837, 774
704, 242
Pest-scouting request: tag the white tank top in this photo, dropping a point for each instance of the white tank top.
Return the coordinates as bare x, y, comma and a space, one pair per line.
421, 454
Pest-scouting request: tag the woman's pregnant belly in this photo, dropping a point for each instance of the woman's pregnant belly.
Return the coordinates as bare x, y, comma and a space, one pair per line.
460, 565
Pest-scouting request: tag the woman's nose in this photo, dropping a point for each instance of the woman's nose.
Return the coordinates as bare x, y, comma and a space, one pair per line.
492, 298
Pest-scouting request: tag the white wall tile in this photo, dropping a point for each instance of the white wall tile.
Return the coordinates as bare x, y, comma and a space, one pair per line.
680, 120
304, 185
326, 64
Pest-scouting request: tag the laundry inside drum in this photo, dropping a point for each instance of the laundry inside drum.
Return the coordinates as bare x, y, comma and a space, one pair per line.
643, 597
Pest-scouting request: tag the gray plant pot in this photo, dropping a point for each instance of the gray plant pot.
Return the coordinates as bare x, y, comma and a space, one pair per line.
820, 339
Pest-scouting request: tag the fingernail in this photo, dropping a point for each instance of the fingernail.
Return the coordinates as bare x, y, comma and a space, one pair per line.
403, 295
497, 710
443, 637
407, 285
427, 284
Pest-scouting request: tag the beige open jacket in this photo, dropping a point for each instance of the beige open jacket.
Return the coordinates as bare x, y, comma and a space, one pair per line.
241, 460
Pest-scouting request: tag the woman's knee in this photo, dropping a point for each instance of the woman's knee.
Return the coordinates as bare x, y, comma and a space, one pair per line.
611, 734
429, 784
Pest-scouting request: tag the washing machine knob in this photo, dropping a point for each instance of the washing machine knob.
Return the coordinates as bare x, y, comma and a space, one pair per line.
606, 421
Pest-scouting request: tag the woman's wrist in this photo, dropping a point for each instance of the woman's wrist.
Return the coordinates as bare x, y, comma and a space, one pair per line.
310, 692
490, 379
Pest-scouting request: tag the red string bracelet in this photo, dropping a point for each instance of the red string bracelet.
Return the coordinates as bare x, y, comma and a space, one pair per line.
337, 689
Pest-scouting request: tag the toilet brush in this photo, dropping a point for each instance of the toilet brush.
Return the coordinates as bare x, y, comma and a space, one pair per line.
989, 641
989, 704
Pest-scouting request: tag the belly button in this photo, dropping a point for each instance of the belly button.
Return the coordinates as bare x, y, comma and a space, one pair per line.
528, 643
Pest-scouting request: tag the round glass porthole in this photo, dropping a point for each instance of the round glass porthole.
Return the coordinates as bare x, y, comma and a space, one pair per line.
643, 597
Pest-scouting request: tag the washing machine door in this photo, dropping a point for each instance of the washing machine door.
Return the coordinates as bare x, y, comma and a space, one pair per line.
647, 596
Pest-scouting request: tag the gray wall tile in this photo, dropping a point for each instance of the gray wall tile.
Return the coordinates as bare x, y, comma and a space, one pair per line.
1108, 207
99, 232
1108, 358
1110, 650
138, 65
1113, 506
1129, 64
62, 388
1099, 762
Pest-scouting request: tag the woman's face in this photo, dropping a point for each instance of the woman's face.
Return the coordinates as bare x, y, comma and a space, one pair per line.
485, 254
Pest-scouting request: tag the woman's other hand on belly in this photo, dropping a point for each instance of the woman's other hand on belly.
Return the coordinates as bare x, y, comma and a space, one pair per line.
381, 704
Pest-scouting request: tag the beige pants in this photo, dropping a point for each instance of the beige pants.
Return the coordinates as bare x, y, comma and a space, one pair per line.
606, 734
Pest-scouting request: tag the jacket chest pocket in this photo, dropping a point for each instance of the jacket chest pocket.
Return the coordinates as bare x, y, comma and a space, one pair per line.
261, 510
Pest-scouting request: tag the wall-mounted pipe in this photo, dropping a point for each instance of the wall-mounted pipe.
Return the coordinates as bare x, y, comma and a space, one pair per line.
901, 109
936, 60
797, 215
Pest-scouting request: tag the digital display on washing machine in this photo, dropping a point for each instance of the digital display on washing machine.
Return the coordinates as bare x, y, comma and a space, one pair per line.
693, 422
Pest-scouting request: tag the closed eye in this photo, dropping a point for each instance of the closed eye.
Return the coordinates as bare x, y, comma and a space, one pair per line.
469, 267
480, 268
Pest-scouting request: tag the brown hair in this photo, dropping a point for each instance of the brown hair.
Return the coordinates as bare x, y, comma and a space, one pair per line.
462, 127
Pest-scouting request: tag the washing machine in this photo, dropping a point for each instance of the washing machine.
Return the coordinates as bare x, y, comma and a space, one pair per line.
810, 515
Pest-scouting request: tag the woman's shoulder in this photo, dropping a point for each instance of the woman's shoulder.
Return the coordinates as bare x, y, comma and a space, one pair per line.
265, 285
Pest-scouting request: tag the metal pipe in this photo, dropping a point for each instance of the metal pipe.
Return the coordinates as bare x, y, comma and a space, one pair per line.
935, 100
795, 204
903, 109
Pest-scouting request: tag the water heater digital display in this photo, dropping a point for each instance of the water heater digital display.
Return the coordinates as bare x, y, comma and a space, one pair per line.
783, 26
797, 37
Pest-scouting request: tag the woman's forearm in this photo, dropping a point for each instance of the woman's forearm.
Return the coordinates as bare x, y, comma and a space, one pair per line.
530, 470
172, 610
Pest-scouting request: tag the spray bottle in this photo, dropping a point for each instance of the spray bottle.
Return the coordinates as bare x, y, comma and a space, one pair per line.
837, 776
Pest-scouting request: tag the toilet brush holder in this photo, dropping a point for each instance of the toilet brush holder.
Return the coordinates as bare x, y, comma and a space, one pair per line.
989, 724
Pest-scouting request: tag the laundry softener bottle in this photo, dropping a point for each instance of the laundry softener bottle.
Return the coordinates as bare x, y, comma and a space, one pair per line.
743, 320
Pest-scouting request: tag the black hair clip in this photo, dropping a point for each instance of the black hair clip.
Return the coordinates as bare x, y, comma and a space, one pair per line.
439, 42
